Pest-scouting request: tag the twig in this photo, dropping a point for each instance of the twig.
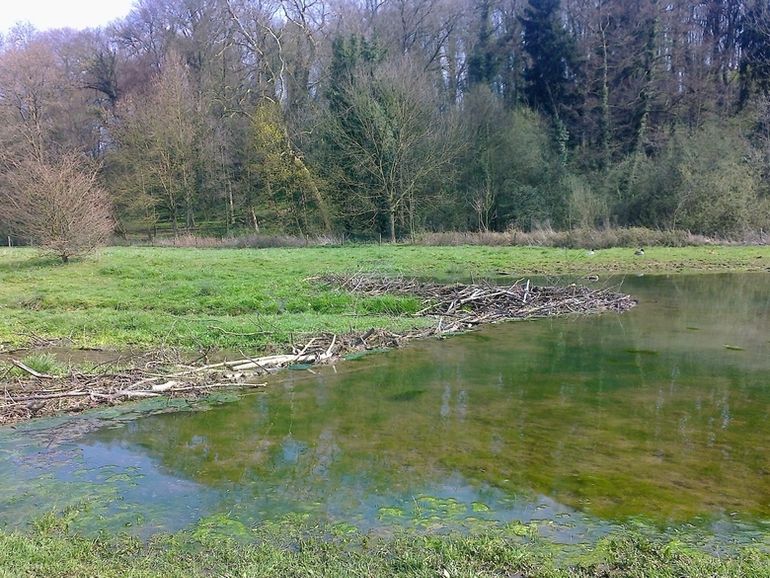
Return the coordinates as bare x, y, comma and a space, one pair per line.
31, 371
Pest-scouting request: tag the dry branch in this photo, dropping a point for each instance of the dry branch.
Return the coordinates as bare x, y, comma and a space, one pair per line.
29, 370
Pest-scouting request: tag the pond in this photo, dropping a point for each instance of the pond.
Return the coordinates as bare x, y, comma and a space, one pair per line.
657, 416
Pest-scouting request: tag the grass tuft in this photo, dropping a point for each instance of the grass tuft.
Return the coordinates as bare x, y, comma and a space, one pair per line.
45, 363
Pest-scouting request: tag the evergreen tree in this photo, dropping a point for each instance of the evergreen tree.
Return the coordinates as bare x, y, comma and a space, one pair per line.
550, 74
483, 62
755, 45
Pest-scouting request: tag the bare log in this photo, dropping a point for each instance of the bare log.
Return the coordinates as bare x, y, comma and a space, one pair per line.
30, 371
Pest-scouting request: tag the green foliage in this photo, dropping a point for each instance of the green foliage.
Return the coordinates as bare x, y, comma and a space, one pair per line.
393, 143
45, 363
755, 45
552, 52
587, 209
287, 193
701, 181
533, 191
350, 55
511, 176
483, 63
160, 158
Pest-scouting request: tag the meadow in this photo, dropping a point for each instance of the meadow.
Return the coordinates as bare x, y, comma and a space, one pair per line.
263, 299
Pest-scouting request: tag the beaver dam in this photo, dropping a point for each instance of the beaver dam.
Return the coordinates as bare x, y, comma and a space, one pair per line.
456, 308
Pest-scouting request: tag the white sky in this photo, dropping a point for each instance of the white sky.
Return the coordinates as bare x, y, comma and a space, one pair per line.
46, 14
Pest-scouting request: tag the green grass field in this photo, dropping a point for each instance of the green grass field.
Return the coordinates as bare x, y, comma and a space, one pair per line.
256, 298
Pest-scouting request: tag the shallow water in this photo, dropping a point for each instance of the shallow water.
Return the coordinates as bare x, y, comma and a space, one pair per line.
658, 415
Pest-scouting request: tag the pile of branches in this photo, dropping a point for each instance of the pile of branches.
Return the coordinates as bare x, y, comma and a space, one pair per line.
459, 306
38, 394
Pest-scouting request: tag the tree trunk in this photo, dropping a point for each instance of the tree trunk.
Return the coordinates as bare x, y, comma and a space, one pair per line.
254, 221
605, 101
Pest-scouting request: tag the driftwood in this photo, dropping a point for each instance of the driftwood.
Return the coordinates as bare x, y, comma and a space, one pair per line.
455, 308
14, 407
29, 370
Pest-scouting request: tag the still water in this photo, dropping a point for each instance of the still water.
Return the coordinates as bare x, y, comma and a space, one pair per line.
658, 415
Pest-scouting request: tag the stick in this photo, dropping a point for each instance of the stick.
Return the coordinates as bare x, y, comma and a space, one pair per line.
31, 371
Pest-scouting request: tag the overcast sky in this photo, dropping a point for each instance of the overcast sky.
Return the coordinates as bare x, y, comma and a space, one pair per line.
46, 14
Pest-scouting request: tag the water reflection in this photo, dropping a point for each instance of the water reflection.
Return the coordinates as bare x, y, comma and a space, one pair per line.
660, 413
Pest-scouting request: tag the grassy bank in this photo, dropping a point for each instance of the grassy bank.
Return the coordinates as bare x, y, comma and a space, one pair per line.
236, 299
286, 549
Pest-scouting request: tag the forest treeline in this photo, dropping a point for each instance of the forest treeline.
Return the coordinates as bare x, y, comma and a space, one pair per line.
389, 117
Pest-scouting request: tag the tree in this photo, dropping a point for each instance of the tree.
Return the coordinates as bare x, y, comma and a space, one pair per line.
33, 94
552, 65
755, 44
56, 205
387, 128
159, 142
285, 189
483, 116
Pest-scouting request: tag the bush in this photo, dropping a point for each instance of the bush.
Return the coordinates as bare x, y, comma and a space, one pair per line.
700, 181
57, 206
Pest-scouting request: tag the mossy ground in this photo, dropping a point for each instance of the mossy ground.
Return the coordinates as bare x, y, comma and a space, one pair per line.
289, 548
256, 298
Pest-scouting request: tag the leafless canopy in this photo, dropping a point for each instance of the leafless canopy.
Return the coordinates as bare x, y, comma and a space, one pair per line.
58, 206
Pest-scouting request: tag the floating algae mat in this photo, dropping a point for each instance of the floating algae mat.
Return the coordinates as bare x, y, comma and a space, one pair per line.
569, 426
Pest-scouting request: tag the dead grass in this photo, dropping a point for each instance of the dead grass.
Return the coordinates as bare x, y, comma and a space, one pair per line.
253, 241
585, 238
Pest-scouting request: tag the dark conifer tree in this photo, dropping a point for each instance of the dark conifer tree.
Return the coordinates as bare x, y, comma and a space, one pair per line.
552, 69
755, 45
483, 62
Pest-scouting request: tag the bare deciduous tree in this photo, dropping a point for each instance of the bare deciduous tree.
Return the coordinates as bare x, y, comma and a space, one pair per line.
58, 206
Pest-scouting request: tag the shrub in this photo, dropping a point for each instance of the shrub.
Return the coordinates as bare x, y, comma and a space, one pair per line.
57, 206
589, 238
